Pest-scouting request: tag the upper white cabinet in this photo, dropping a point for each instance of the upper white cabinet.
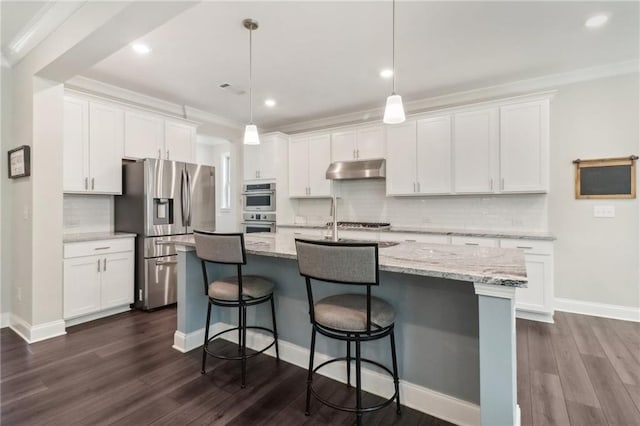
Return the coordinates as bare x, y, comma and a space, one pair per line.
419, 157
475, 151
309, 158
358, 144
179, 141
524, 147
93, 144
260, 161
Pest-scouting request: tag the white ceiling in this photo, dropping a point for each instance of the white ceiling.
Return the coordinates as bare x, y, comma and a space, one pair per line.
322, 58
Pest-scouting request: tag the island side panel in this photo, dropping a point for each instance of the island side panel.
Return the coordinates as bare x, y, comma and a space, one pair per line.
190, 293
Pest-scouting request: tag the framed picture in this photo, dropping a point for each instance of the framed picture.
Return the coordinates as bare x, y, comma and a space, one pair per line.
606, 178
20, 162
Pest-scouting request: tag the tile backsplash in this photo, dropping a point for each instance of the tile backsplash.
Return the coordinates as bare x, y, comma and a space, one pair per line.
365, 200
87, 213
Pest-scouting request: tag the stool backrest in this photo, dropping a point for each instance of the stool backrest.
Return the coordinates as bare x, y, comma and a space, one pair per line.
344, 263
220, 248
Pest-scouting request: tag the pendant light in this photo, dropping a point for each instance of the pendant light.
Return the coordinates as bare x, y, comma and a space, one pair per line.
394, 111
251, 131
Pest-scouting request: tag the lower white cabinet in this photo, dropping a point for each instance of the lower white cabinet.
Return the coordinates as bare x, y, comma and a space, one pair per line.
98, 275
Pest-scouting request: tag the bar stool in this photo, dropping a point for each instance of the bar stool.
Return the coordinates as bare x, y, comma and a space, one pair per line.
238, 291
348, 317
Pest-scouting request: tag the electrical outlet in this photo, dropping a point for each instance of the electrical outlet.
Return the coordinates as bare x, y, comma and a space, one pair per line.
604, 211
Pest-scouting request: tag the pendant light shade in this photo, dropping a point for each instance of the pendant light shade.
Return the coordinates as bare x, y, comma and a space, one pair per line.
394, 110
251, 131
251, 135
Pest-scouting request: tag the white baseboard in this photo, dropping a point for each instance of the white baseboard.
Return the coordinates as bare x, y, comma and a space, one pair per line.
535, 316
97, 315
35, 333
5, 319
625, 313
414, 396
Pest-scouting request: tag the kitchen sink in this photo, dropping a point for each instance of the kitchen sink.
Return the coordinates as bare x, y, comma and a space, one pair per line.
381, 244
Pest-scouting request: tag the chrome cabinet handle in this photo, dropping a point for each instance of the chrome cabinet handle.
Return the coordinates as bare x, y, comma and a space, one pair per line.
418, 186
159, 154
168, 154
354, 154
357, 153
102, 248
104, 265
93, 183
168, 262
471, 244
502, 184
491, 184
414, 187
98, 265
525, 247
86, 183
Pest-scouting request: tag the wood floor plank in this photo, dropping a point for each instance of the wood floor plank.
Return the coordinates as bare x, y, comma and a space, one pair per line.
549, 407
581, 414
616, 403
634, 393
623, 361
586, 341
541, 357
576, 384
629, 334
524, 381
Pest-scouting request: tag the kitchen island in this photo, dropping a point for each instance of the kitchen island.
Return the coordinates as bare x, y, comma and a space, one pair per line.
455, 321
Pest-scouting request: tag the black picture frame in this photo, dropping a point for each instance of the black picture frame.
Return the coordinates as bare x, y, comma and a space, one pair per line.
19, 162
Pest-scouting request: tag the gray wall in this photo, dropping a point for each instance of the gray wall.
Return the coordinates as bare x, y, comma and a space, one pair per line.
596, 260
5, 194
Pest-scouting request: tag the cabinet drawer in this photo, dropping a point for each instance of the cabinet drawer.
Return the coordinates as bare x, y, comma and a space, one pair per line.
529, 246
474, 241
91, 248
415, 237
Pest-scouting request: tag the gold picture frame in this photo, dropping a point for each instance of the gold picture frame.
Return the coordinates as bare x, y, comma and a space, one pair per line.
606, 178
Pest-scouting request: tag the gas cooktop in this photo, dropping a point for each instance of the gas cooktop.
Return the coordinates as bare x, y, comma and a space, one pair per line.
361, 225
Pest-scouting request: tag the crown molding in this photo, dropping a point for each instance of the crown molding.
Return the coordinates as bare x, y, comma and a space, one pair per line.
483, 94
46, 20
119, 94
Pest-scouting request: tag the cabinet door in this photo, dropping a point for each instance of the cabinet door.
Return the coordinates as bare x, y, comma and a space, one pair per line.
81, 286
534, 297
117, 280
251, 161
319, 160
524, 147
268, 159
76, 145
434, 155
343, 146
475, 151
370, 143
106, 136
401, 159
143, 135
179, 141
298, 167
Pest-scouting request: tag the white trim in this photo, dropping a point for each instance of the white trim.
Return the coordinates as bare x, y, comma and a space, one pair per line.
97, 315
501, 291
464, 97
5, 319
35, 333
535, 316
625, 313
420, 398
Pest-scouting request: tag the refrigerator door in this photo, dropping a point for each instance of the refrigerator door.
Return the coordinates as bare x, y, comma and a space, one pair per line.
201, 206
161, 278
164, 210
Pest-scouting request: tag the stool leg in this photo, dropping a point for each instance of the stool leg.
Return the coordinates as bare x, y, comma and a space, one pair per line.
395, 371
358, 385
206, 337
348, 362
240, 326
244, 344
275, 329
310, 372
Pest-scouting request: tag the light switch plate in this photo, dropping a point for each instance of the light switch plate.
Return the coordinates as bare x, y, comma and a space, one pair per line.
604, 211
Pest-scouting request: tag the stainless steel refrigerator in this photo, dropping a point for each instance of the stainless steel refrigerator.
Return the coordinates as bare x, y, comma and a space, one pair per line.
161, 200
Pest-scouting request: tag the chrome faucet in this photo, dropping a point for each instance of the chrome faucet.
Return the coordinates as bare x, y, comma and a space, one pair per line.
334, 215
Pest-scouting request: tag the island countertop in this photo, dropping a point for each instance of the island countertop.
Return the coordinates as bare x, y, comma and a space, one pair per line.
486, 265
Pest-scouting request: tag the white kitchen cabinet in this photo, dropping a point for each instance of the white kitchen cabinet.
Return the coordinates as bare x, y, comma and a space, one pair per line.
260, 161
93, 145
358, 144
144, 135
98, 277
475, 151
536, 300
179, 141
309, 159
524, 147
433, 155
401, 158
474, 241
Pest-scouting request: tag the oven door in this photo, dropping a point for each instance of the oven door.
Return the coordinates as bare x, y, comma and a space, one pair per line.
263, 201
251, 227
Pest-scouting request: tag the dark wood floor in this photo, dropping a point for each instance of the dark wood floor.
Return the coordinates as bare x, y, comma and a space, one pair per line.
122, 370
581, 370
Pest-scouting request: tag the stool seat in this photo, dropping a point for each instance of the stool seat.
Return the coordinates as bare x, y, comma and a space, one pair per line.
253, 287
348, 312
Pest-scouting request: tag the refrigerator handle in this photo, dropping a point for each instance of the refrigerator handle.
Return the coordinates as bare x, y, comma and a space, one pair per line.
189, 198
183, 195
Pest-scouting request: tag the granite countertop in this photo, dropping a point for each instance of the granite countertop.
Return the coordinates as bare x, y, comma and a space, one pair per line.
95, 236
531, 235
485, 265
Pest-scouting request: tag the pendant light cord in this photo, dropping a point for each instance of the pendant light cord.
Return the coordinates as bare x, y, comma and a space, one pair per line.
393, 45
250, 76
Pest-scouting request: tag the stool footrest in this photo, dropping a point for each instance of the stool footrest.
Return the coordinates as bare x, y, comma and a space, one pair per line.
239, 357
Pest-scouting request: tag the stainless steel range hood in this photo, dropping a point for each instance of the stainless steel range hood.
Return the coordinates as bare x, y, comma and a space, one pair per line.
362, 169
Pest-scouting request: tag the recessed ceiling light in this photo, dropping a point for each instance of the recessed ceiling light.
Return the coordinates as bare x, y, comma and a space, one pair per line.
596, 21
270, 103
141, 48
388, 73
